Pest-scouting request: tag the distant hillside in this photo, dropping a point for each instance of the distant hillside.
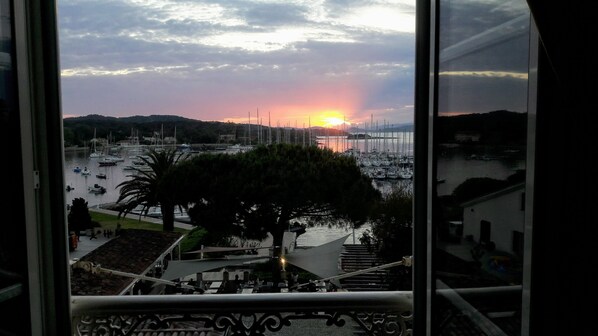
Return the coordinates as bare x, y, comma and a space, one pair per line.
497, 127
78, 131
392, 128
492, 128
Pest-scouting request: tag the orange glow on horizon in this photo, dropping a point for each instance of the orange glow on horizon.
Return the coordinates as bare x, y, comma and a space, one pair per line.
452, 114
330, 118
320, 105
326, 118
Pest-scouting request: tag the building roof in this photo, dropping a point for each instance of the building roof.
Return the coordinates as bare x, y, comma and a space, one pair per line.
133, 251
493, 195
182, 268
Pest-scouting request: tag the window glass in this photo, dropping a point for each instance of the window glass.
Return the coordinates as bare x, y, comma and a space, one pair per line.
480, 143
13, 251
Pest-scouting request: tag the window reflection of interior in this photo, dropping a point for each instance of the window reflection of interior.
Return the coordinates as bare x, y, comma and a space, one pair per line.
484, 305
504, 32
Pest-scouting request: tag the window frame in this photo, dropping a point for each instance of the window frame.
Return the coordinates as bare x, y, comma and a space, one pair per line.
41, 133
38, 86
426, 112
42, 158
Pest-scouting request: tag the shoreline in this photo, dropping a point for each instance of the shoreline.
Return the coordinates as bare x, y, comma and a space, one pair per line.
75, 149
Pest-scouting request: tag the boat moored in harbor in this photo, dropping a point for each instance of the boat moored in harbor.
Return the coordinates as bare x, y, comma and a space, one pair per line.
96, 189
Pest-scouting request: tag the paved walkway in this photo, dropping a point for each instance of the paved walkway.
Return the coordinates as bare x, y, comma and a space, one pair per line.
143, 218
86, 245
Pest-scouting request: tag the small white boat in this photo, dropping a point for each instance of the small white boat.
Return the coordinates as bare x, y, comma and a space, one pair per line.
115, 158
392, 173
85, 172
96, 189
103, 162
96, 155
379, 173
405, 174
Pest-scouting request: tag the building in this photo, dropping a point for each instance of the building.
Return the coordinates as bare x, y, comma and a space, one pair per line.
226, 137
557, 296
498, 218
467, 137
139, 252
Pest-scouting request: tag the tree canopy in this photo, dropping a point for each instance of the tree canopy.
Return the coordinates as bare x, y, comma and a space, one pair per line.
391, 226
79, 218
144, 187
391, 234
258, 192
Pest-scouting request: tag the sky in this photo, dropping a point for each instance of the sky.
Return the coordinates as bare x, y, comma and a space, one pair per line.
292, 62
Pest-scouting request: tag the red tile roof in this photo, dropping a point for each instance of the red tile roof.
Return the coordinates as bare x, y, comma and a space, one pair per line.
134, 251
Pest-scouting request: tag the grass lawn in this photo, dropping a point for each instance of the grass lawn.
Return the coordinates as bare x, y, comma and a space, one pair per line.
109, 222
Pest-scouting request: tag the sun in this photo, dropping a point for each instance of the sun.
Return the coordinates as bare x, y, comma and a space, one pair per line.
331, 118
333, 121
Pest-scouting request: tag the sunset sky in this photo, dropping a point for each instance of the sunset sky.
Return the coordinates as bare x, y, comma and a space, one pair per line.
295, 62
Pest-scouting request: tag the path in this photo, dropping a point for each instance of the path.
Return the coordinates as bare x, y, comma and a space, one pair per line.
181, 225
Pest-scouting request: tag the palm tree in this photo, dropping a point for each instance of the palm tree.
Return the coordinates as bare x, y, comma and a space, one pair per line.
143, 189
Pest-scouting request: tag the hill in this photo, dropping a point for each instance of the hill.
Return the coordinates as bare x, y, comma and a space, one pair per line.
492, 128
78, 131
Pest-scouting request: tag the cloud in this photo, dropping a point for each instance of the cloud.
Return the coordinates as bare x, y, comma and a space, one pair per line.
215, 60
484, 58
486, 74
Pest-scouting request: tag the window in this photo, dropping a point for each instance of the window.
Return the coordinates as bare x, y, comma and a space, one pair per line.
360, 104
480, 144
562, 242
35, 238
13, 261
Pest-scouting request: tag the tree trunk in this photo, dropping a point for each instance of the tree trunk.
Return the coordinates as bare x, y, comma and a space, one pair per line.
277, 237
167, 217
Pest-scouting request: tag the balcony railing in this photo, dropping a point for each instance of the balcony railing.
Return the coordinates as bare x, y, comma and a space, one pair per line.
374, 313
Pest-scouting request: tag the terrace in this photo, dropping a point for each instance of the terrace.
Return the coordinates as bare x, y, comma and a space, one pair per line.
106, 301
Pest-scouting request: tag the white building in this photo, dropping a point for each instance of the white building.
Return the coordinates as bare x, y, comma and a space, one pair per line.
497, 217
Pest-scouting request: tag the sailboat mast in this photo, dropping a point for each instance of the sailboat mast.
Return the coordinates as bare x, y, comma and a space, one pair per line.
309, 129
269, 130
249, 128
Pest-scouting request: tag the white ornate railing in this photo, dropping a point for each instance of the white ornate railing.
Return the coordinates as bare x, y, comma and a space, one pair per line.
375, 313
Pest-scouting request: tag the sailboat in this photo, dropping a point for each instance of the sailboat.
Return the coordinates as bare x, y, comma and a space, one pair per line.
95, 154
85, 172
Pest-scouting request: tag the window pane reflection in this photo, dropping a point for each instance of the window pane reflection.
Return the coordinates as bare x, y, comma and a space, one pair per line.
14, 302
480, 138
